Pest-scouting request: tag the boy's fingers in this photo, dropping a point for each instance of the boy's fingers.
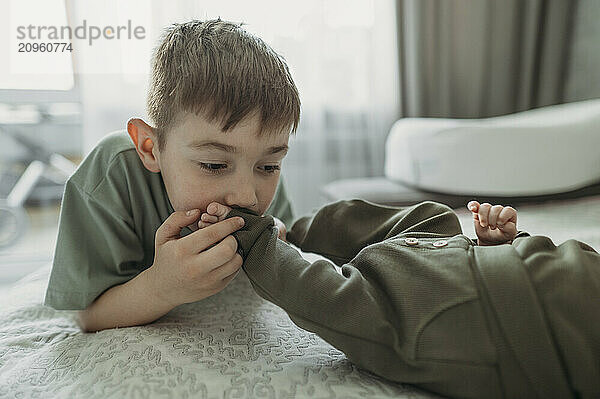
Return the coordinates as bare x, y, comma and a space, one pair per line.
171, 227
201, 239
282, 235
228, 268
220, 254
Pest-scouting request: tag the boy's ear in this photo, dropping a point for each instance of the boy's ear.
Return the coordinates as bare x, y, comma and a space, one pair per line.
144, 139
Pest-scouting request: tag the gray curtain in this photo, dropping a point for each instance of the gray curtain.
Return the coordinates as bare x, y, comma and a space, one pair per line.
482, 58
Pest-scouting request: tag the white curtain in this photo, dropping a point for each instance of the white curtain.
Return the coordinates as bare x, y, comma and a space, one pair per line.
342, 55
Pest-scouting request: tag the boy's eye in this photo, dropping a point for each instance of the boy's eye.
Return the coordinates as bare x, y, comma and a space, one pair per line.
271, 168
220, 167
213, 167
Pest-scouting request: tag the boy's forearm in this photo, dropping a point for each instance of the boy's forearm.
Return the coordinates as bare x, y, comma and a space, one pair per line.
130, 304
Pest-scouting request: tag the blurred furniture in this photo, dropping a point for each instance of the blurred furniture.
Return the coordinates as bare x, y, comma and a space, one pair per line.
532, 156
46, 170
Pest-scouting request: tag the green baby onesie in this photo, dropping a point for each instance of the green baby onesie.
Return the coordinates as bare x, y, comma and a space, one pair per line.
417, 302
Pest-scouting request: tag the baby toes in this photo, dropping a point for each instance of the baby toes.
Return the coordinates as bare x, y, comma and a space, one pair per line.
202, 225
209, 218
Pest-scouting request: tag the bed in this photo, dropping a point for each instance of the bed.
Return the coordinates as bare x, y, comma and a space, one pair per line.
231, 345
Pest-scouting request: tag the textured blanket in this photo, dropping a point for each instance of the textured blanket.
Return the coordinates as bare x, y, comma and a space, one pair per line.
231, 345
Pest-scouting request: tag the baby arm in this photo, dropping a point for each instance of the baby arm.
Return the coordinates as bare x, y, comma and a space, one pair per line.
340, 230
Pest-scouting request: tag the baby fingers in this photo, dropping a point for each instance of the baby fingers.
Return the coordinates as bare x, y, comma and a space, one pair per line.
493, 216
473, 206
484, 212
508, 214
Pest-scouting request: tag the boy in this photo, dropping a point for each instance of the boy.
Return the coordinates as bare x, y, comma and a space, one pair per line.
223, 105
419, 302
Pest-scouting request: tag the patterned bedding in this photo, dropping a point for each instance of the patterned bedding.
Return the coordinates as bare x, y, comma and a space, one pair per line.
231, 345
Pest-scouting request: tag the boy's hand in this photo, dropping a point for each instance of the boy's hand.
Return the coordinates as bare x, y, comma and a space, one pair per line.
215, 212
191, 268
493, 224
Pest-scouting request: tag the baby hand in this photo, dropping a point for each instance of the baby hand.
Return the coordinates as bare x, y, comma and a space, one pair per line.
215, 212
493, 224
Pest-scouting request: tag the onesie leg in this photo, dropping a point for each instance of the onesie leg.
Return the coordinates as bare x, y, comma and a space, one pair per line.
340, 230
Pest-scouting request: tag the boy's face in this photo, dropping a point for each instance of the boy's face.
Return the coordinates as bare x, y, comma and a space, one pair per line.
201, 164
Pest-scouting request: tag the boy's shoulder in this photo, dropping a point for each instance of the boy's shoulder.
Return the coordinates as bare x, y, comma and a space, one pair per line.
115, 142
114, 153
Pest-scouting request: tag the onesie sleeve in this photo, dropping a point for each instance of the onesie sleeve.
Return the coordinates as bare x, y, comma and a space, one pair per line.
317, 297
520, 233
96, 248
341, 229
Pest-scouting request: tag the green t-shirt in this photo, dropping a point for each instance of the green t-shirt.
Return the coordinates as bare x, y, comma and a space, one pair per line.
111, 208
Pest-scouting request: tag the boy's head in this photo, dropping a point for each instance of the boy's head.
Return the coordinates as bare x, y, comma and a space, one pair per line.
222, 104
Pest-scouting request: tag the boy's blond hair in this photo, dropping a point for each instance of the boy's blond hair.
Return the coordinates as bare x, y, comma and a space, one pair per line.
218, 70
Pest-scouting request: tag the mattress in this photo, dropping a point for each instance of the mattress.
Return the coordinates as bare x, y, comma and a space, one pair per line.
233, 344
543, 151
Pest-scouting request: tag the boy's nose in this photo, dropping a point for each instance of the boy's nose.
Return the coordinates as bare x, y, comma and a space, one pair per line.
242, 195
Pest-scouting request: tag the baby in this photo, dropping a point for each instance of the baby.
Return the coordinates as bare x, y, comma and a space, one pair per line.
419, 302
